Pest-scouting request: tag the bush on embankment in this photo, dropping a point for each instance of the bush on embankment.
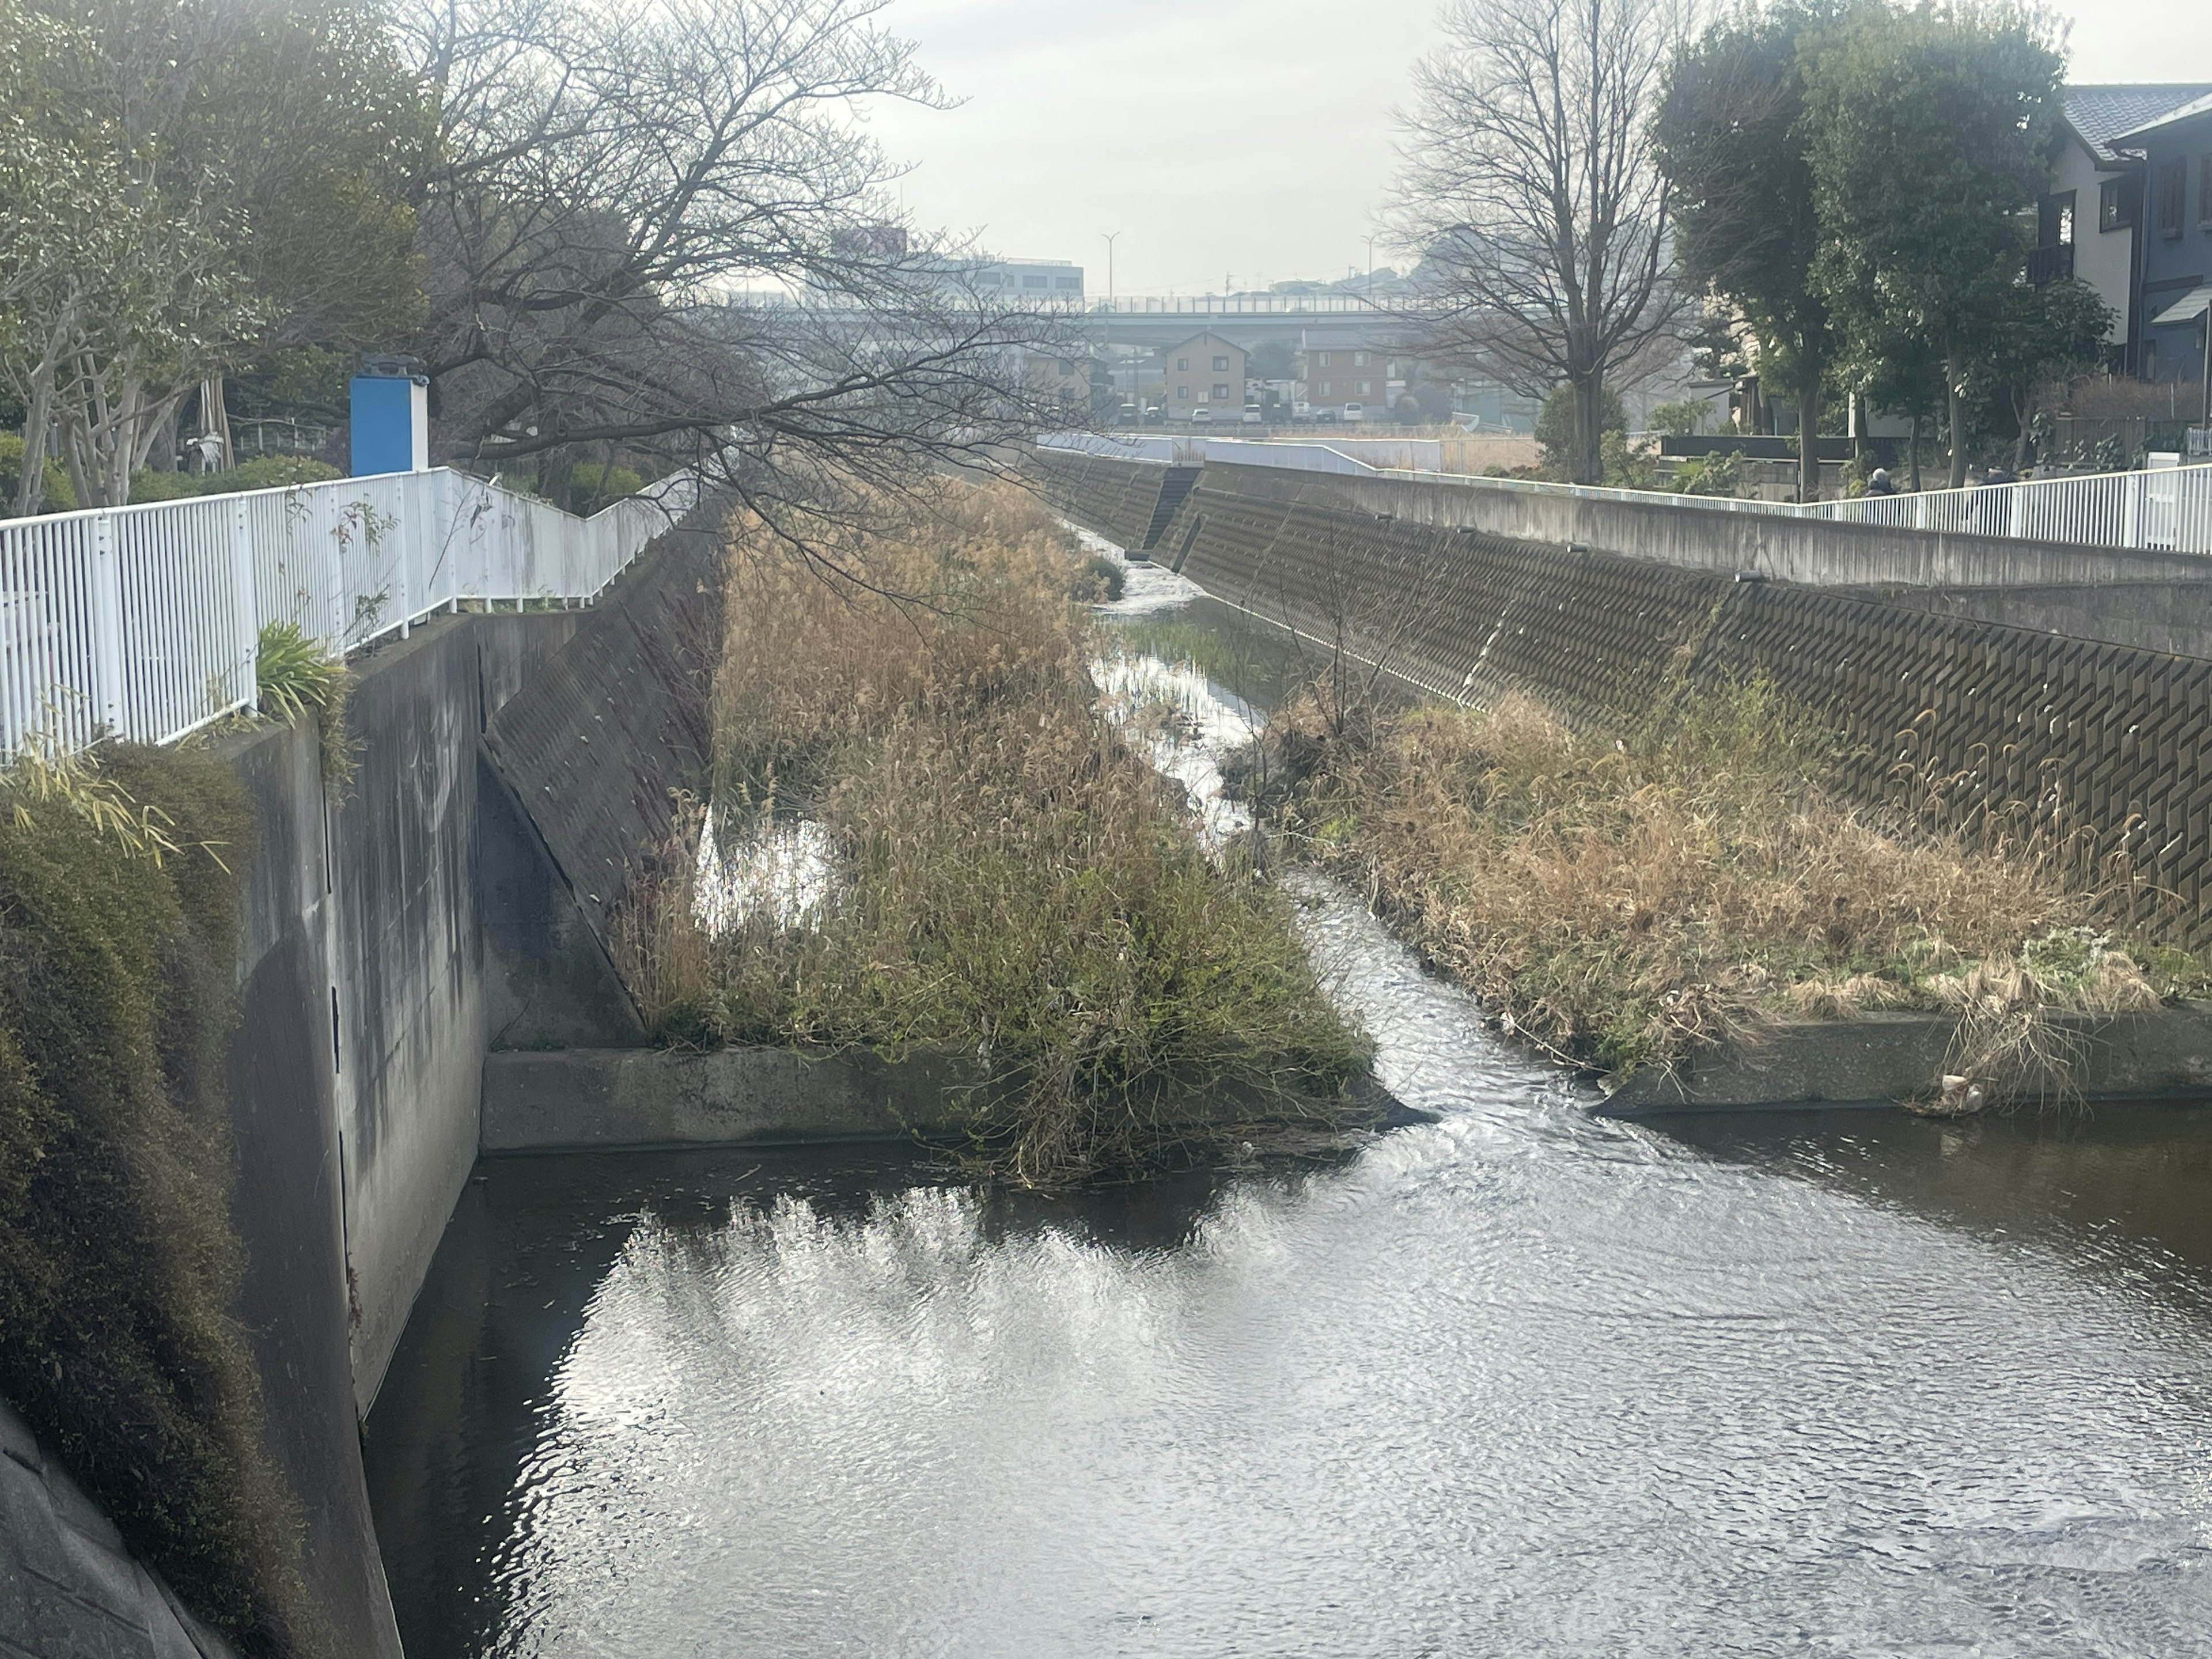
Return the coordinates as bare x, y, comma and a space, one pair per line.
118, 896
1620, 893
1011, 886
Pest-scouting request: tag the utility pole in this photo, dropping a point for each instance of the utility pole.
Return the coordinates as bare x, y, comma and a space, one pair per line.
1109, 235
1370, 267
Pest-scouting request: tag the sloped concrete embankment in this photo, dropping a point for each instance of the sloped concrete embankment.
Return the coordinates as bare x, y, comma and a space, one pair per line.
2078, 681
67, 1585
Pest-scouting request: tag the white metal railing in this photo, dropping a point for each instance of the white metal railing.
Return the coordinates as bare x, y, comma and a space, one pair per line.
2167, 509
143, 622
1233, 305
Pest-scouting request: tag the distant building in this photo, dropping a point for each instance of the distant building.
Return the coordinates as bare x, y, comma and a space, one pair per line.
1337, 375
1034, 282
1204, 372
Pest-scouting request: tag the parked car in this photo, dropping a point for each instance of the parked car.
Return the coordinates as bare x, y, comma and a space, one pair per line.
1252, 415
1201, 416
1355, 412
1129, 416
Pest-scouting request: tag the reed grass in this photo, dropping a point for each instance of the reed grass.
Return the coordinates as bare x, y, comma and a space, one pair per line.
1014, 888
1620, 895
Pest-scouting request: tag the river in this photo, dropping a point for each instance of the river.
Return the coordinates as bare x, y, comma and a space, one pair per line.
1523, 1381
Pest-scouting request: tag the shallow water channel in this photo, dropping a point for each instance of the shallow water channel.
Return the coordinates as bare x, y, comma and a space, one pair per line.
1520, 1383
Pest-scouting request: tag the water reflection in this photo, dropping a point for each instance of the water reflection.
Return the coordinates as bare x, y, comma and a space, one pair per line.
1521, 1382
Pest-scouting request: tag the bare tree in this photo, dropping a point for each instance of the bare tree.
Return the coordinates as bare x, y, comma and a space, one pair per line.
1531, 189
613, 190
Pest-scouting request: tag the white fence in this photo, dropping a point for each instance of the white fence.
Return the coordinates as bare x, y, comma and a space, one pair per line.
2167, 509
142, 621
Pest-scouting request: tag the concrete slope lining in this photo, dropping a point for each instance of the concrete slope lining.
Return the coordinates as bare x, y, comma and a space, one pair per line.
597, 746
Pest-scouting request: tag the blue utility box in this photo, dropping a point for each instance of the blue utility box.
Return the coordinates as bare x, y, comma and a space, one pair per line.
391, 423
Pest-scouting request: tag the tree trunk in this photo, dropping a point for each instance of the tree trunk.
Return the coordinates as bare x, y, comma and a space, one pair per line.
556, 468
1913, 451
2024, 412
30, 487
1955, 401
215, 421
1808, 443
162, 458
1590, 427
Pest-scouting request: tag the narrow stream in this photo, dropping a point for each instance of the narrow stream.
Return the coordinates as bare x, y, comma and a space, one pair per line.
1520, 1383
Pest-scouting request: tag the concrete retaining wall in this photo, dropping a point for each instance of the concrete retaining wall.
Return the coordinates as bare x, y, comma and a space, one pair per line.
580, 1098
356, 1068
1879, 1058
2153, 601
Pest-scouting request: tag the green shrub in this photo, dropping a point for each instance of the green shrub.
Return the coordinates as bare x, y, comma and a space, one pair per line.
1555, 426
291, 674
293, 677
118, 1268
1685, 419
59, 496
1097, 578
589, 491
1718, 474
262, 472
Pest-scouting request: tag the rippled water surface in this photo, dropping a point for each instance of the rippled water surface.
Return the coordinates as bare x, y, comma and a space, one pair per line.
1520, 1383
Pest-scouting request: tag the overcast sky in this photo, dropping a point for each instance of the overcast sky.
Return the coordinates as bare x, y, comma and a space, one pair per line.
1243, 139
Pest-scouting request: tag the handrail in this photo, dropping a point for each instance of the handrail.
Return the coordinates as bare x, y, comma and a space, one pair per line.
144, 622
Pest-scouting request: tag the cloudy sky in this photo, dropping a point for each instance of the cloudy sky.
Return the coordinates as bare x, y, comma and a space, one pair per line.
1244, 140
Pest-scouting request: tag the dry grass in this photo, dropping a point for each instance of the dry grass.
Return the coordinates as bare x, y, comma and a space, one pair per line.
1619, 896
1013, 885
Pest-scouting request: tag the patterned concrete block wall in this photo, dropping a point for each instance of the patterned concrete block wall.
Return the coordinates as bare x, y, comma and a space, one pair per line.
67, 1584
1115, 498
2104, 749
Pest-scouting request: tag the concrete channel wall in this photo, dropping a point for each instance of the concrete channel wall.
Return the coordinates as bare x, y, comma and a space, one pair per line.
356, 1068
2073, 705
398, 926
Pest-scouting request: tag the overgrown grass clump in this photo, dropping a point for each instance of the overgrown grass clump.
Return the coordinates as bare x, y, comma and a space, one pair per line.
1011, 888
118, 1264
1620, 894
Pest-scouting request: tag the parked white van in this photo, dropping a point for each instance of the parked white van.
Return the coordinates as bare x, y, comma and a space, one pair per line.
1355, 411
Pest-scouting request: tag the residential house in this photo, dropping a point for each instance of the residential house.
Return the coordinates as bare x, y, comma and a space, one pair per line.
2174, 293
2088, 226
1204, 372
1339, 375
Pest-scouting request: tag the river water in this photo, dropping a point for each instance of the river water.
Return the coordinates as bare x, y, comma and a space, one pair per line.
1523, 1381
